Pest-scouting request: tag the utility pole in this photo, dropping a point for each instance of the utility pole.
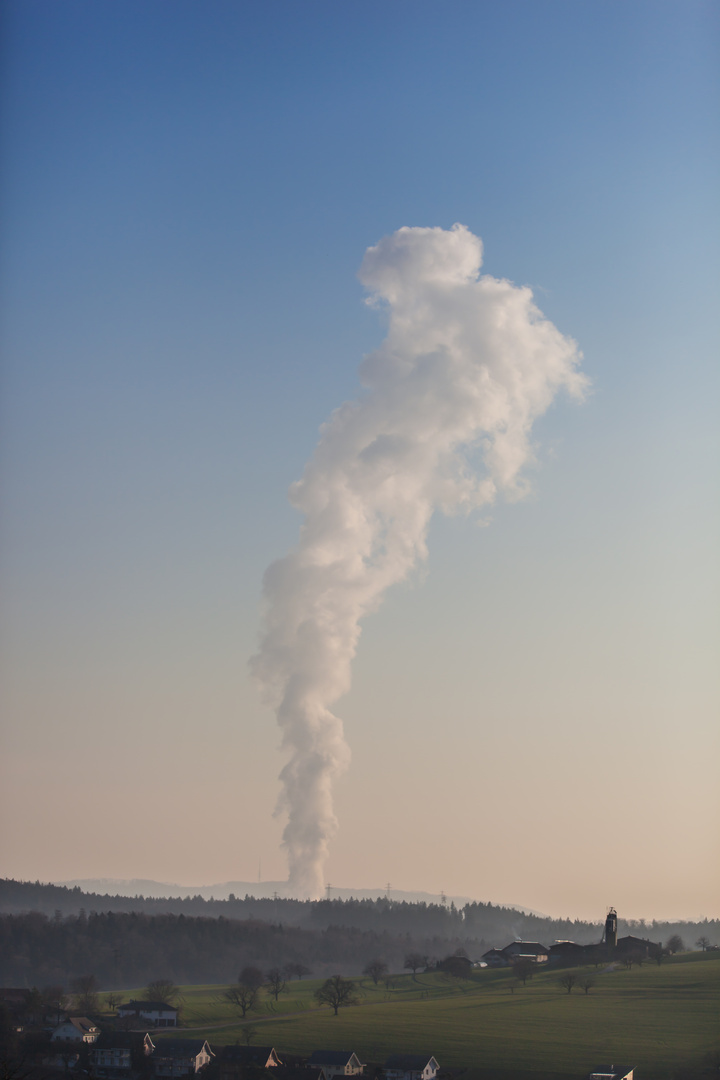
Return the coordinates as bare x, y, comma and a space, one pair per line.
328, 887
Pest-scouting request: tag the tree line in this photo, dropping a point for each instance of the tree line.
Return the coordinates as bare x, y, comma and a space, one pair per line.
486, 923
123, 949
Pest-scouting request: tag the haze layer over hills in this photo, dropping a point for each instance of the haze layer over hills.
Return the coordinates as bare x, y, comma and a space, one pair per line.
260, 889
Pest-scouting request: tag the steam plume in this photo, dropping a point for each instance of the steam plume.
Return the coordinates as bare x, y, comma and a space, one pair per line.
443, 424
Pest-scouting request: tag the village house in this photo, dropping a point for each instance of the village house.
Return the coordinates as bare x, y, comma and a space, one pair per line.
181, 1057
411, 1067
336, 1063
234, 1060
76, 1029
120, 1053
157, 1013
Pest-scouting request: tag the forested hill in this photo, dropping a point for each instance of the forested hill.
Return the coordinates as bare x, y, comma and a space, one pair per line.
482, 924
129, 949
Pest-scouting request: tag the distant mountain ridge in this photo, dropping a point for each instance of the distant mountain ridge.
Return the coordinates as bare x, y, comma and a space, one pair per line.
261, 890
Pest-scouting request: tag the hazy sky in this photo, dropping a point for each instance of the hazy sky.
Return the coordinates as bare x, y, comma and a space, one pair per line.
189, 191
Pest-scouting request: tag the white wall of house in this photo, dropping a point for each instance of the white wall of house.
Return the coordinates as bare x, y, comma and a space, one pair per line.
68, 1032
156, 1017
117, 1058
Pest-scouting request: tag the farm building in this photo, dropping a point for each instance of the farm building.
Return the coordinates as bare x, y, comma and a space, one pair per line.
157, 1013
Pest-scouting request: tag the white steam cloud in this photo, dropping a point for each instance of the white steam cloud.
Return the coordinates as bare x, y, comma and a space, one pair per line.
444, 423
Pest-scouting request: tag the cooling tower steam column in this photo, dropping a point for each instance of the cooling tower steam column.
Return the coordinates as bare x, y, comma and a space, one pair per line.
442, 424
611, 929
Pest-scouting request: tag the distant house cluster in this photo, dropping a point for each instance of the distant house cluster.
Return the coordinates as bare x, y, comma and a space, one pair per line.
123, 1055
569, 953
133, 1055
233, 1061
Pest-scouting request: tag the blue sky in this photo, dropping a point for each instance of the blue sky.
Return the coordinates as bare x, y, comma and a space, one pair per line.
188, 193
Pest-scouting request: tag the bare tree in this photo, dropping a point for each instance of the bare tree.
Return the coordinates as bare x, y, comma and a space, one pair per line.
524, 969
415, 961
249, 1033
703, 943
112, 1000
376, 970
337, 993
296, 970
242, 997
675, 944
34, 1005
251, 976
55, 999
162, 990
587, 983
276, 982
85, 993
568, 981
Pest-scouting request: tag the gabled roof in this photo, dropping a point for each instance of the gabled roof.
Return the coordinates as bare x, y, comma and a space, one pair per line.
247, 1055
636, 940
180, 1047
120, 1040
526, 947
82, 1024
409, 1062
335, 1058
611, 1072
148, 1006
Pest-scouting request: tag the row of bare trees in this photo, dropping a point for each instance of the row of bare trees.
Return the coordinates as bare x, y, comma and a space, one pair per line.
414, 961
244, 994
336, 992
569, 981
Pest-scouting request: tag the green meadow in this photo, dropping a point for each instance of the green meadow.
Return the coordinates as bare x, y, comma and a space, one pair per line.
659, 1018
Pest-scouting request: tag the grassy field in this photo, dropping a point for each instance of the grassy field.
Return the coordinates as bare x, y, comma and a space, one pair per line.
656, 1018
